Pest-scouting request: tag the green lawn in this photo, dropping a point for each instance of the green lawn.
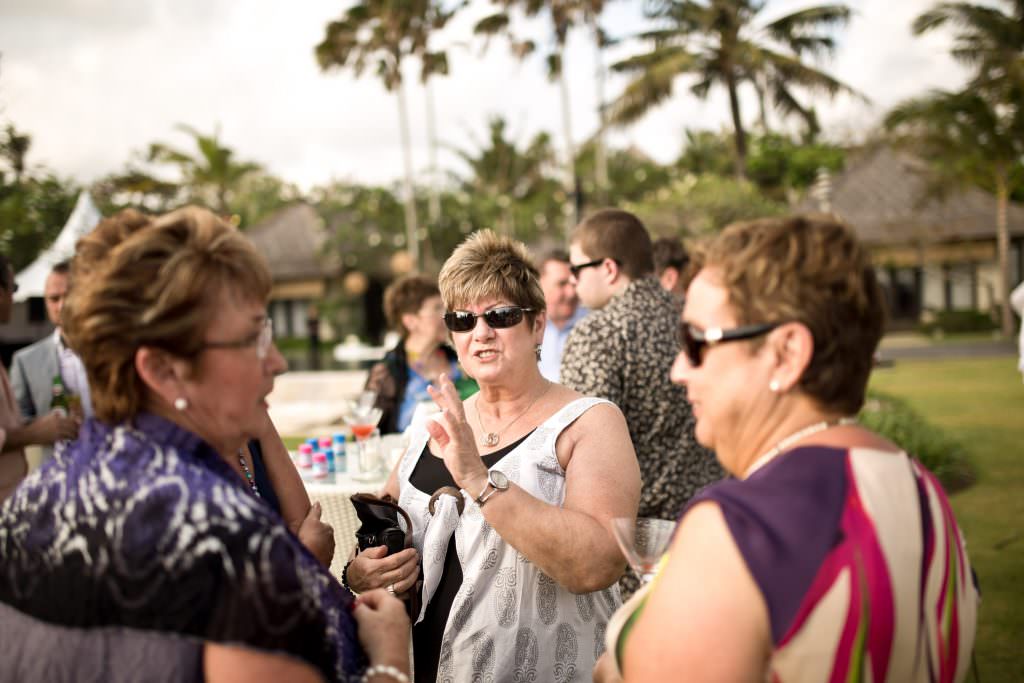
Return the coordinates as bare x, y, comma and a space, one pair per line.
980, 402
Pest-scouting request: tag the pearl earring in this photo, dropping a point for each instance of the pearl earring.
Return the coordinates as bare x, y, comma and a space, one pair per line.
774, 386
181, 403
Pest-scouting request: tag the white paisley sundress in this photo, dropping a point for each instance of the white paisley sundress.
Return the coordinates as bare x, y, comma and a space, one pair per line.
509, 621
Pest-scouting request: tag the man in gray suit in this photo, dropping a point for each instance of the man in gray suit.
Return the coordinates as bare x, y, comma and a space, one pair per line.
34, 367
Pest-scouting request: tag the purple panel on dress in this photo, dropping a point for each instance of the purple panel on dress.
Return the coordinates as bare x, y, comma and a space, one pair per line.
785, 520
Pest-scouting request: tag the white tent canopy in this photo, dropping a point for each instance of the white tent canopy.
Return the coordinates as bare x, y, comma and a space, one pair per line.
83, 219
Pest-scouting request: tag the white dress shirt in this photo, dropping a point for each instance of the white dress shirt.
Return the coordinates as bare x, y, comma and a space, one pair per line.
72, 373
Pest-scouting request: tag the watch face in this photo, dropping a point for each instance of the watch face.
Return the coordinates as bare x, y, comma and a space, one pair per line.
498, 480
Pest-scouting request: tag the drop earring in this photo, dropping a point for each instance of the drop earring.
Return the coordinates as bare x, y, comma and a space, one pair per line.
537, 349
774, 386
180, 403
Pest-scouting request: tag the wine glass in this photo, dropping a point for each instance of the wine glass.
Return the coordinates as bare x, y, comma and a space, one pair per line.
362, 418
643, 541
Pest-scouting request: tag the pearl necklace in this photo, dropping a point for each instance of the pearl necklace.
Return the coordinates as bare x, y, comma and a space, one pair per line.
793, 438
492, 438
248, 474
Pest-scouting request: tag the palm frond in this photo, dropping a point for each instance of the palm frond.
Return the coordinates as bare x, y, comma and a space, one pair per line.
652, 87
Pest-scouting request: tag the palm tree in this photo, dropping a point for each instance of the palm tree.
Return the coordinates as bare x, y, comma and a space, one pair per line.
212, 171
14, 149
988, 40
564, 15
976, 136
508, 180
382, 34
434, 63
724, 42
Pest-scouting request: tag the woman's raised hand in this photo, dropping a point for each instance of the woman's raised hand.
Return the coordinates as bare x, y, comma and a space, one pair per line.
454, 438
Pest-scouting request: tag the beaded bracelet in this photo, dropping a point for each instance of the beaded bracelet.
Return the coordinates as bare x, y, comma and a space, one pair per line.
385, 670
344, 578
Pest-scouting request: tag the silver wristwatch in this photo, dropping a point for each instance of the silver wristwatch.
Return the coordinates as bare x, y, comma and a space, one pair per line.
496, 481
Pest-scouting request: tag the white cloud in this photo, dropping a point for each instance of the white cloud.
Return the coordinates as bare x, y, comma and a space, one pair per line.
95, 80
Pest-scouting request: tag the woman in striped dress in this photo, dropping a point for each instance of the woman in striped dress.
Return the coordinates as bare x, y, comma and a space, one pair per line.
832, 555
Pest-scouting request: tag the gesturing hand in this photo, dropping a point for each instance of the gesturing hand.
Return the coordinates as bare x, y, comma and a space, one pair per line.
317, 536
453, 436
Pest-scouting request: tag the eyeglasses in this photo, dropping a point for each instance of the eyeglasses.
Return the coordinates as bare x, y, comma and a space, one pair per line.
496, 318
575, 270
261, 340
695, 340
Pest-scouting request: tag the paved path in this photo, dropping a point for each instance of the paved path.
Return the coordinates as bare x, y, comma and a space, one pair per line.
895, 347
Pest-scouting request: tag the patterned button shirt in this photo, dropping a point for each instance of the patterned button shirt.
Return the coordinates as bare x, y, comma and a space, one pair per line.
623, 352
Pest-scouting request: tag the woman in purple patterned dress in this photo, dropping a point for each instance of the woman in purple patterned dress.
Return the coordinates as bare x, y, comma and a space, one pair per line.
832, 555
143, 551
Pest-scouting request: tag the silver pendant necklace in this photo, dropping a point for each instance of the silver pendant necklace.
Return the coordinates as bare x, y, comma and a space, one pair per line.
793, 438
492, 439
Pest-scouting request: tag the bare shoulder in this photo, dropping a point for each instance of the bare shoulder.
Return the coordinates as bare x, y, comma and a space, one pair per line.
603, 416
600, 431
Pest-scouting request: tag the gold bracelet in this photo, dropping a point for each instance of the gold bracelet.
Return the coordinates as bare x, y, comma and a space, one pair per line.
385, 670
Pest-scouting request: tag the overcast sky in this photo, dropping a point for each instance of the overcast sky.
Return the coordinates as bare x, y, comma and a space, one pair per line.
94, 81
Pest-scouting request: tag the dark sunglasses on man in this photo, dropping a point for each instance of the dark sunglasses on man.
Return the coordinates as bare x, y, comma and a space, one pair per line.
695, 340
496, 318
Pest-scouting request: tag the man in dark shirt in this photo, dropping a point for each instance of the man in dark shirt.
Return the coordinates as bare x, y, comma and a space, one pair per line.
623, 351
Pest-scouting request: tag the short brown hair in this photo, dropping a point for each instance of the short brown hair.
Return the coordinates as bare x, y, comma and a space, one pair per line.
152, 281
810, 269
487, 265
406, 295
618, 235
669, 252
557, 255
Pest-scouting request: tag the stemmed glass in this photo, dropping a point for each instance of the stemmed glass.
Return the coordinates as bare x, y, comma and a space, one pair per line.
643, 541
362, 418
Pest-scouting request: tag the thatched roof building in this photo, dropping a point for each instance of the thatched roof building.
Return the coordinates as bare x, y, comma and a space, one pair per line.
933, 253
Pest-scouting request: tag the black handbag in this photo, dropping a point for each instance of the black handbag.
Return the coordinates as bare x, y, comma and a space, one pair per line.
378, 517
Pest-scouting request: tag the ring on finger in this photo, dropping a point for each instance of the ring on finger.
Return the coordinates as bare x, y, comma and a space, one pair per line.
391, 588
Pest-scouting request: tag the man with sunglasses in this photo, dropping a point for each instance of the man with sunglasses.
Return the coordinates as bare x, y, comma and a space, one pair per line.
623, 351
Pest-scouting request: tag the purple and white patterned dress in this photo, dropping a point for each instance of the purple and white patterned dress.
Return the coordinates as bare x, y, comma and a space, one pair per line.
136, 545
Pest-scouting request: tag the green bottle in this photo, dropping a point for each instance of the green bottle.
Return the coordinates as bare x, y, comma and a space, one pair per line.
60, 396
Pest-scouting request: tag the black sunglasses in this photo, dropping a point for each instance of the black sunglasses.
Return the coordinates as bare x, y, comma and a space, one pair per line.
496, 318
575, 270
695, 340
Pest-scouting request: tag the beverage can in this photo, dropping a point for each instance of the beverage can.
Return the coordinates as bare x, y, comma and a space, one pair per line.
305, 459
319, 465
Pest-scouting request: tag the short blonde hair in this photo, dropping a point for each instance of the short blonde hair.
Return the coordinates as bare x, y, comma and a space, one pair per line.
152, 281
487, 265
814, 270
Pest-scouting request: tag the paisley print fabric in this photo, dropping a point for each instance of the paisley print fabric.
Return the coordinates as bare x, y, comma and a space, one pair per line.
143, 528
509, 621
623, 353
